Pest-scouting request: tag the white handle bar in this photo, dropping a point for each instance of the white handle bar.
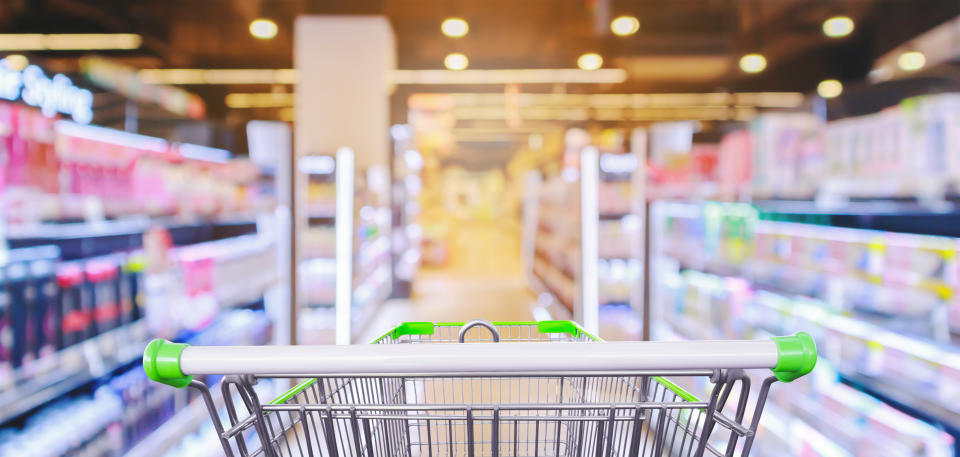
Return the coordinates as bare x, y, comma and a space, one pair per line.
790, 357
476, 358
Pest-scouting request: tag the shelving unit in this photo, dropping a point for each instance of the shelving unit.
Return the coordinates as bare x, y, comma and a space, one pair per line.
553, 234
188, 420
345, 259
75, 367
405, 202
142, 256
583, 237
716, 276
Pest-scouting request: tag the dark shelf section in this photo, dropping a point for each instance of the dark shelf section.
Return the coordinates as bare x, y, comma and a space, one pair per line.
87, 363
78, 366
81, 240
613, 216
923, 407
321, 220
891, 215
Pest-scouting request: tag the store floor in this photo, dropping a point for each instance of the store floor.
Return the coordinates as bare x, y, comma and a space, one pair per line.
483, 279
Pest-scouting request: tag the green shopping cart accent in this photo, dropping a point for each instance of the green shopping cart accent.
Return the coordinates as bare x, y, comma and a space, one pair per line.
797, 355
161, 362
428, 328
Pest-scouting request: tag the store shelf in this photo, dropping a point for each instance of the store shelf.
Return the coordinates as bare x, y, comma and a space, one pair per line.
184, 422
76, 366
89, 239
876, 207
108, 228
924, 407
542, 269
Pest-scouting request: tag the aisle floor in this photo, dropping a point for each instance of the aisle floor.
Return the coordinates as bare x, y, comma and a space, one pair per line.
483, 279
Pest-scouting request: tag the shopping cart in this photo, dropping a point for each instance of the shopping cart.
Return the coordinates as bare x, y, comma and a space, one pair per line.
510, 395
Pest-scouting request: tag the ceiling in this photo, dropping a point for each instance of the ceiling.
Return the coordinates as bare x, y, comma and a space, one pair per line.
683, 45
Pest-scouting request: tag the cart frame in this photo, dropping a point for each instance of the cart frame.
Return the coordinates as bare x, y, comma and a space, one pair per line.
403, 404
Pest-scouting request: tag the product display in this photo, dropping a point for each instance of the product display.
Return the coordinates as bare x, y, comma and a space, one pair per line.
372, 278
697, 305
125, 410
406, 195
153, 256
84, 172
556, 254
878, 303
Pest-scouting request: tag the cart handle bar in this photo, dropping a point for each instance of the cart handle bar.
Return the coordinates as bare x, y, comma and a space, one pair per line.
790, 357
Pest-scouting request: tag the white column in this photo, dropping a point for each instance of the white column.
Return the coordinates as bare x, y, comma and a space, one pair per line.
589, 315
342, 98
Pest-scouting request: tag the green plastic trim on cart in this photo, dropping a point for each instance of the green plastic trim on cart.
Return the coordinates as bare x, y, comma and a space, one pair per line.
427, 328
797, 355
410, 328
161, 362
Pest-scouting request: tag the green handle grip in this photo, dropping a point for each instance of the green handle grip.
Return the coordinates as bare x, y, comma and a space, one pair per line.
161, 362
797, 355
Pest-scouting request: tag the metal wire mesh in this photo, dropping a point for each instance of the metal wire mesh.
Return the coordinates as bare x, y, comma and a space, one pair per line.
429, 415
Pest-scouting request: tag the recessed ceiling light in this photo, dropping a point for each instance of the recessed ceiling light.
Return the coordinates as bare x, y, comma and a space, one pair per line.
753, 63
625, 25
263, 29
454, 27
590, 61
838, 26
829, 88
911, 60
456, 61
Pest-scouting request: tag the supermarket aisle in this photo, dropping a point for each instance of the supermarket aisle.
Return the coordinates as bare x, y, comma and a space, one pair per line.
484, 279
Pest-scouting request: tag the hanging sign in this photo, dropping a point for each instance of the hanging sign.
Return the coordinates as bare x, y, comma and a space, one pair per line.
51, 95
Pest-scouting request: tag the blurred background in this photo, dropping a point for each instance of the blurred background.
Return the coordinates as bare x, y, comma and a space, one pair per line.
238, 172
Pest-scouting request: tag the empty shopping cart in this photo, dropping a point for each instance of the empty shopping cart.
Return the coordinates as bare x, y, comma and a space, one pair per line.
477, 389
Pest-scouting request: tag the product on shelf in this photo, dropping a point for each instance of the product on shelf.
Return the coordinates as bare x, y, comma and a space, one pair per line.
56, 170
911, 277
127, 408
699, 305
319, 241
908, 150
613, 198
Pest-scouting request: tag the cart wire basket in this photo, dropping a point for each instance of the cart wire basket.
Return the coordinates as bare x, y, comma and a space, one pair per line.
505, 389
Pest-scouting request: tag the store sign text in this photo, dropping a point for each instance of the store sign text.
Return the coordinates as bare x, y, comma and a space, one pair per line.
51, 95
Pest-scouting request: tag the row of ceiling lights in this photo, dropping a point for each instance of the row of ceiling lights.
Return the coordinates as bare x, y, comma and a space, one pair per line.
455, 27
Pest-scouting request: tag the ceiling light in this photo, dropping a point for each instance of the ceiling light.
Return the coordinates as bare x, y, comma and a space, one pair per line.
17, 61
263, 29
753, 63
624, 25
454, 27
590, 61
837, 26
456, 61
68, 41
829, 88
911, 60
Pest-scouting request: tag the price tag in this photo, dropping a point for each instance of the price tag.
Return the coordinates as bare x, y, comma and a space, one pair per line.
91, 351
93, 210
874, 362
